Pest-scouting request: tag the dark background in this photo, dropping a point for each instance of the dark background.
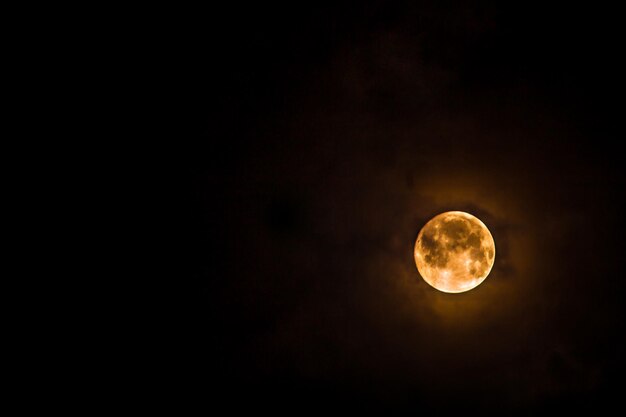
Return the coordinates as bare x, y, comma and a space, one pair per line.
317, 141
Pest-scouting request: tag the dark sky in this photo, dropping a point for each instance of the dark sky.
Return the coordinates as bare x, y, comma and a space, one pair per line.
320, 139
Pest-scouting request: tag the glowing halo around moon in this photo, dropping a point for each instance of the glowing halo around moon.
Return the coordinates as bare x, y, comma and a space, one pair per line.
454, 252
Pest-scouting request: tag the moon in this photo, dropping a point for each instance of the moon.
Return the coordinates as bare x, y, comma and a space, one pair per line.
454, 252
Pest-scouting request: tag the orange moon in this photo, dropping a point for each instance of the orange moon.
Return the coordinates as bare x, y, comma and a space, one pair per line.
454, 252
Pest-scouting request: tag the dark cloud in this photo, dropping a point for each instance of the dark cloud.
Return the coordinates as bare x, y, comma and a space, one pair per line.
337, 155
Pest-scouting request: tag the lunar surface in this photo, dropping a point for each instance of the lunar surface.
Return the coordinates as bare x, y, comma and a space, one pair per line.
454, 252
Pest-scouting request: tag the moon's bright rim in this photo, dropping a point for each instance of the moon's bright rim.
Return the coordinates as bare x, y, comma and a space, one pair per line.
454, 252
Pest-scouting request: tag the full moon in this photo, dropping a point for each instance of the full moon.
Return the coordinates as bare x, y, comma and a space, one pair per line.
454, 252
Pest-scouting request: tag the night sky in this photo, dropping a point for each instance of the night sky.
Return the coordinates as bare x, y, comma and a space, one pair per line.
318, 140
